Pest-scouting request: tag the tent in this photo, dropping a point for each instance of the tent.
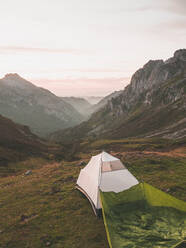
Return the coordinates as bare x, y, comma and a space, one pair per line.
135, 214
106, 173
144, 216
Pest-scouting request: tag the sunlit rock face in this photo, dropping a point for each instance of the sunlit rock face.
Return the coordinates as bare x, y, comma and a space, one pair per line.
149, 78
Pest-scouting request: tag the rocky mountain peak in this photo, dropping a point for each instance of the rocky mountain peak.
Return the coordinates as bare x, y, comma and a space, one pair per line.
180, 54
151, 76
146, 77
151, 63
41, 110
155, 72
15, 81
153, 104
12, 76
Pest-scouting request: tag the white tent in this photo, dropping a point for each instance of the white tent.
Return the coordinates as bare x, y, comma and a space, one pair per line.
106, 173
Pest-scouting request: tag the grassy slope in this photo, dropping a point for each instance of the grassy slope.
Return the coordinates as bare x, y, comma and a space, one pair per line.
55, 211
44, 209
20, 149
17, 142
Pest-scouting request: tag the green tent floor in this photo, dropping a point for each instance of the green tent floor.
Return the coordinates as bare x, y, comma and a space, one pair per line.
143, 217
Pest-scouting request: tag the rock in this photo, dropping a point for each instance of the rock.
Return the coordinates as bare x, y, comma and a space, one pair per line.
28, 172
82, 163
48, 243
180, 54
155, 90
23, 217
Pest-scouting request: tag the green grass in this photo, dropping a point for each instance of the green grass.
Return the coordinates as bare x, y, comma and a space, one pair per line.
130, 144
163, 172
22, 166
45, 210
55, 212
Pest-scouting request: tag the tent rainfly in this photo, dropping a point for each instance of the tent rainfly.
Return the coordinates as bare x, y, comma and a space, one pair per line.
106, 173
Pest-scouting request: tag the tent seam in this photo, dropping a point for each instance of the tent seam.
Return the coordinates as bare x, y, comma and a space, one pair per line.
105, 223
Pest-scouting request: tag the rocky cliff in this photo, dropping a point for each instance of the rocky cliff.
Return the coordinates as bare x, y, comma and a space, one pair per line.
153, 104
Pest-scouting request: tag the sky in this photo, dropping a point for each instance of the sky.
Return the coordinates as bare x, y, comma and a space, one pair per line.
87, 47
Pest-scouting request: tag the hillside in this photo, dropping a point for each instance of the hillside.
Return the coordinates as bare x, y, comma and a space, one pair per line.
45, 210
104, 101
35, 107
80, 104
18, 143
153, 104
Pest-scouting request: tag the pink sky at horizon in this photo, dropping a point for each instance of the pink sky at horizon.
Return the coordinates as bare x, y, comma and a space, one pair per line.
84, 86
85, 47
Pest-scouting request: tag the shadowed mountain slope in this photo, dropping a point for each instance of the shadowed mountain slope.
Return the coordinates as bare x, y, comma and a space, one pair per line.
17, 142
36, 107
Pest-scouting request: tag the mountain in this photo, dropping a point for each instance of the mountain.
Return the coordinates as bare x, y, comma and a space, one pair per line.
93, 99
153, 104
104, 101
80, 104
17, 142
41, 110
85, 108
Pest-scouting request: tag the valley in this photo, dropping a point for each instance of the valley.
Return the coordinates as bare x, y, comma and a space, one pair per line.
45, 140
152, 105
93, 124
36, 107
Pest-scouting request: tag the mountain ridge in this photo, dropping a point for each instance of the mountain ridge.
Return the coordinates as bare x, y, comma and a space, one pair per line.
40, 109
155, 95
80, 104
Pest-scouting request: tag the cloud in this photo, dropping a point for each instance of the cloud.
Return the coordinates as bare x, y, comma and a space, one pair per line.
38, 50
175, 7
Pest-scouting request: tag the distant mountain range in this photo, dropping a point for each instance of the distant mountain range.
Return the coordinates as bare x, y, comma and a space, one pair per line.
93, 99
85, 108
104, 101
41, 110
80, 104
152, 105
